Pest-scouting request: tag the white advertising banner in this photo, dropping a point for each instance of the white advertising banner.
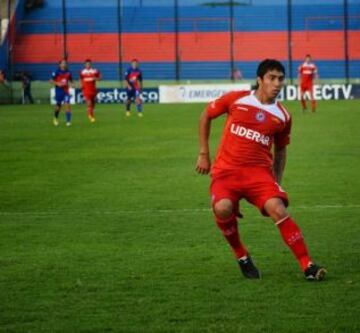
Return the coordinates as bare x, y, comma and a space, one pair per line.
197, 93
52, 96
321, 92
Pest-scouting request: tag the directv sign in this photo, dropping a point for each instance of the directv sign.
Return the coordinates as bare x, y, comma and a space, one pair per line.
323, 92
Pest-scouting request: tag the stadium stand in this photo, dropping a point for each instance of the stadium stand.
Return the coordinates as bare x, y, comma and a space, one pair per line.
203, 44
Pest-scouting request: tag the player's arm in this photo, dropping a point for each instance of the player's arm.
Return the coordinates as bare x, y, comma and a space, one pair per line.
81, 80
280, 154
53, 80
141, 81
316, 76
98, 76
203, 163
126, 80
71, 82
299, 74
281, 141
214, 110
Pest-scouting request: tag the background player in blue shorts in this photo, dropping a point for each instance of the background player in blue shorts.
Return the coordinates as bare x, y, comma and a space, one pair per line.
134, 83
62, 80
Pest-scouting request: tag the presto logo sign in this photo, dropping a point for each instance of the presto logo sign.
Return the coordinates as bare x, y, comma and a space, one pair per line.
115, 95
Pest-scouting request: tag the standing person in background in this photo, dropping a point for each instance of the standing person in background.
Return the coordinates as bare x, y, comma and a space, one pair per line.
307, 72
247, 166
134, 85
62, 80
26, 86
3, 79
236, 75
88, 78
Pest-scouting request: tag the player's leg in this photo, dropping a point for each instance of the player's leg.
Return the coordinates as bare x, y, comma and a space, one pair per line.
93, 104
312, 99
56, 113
59, 97
90, 108
138, 102
130, 95
225, 208
226, 221
272, 200
67, 109
293, 238
302, 98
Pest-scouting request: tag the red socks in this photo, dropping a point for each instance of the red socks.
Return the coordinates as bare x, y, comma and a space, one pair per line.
292, 236
303, 102
313, 105
229, 228
90, 111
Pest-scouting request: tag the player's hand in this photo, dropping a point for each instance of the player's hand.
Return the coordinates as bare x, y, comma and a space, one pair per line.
203, 164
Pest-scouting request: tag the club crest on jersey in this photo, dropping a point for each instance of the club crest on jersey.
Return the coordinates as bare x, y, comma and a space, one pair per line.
260, 116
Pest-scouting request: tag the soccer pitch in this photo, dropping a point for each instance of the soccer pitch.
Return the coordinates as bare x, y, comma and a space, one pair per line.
106, 227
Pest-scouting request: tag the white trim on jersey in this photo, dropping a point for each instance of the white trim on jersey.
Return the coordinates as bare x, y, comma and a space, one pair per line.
273, 109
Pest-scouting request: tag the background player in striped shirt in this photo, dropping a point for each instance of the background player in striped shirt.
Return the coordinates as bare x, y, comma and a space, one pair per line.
307, 72
134, 85
245, 167
88, 78
62, 80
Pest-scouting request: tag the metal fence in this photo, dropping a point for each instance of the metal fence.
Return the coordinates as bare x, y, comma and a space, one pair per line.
185, 39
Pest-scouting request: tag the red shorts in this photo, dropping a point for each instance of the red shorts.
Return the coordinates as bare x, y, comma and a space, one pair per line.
89, 96
255, 184
306, 87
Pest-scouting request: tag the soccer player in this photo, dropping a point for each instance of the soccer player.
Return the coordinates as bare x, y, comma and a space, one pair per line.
245, 167
88, 78
62, 80
134, 84
307, 72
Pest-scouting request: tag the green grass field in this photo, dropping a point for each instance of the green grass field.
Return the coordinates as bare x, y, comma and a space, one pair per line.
106, 227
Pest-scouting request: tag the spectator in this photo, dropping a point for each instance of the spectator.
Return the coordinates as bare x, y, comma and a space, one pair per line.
236, 75
26, 87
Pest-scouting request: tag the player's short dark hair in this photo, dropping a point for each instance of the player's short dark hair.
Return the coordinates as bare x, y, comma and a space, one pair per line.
87, 60
308, 55
268, 65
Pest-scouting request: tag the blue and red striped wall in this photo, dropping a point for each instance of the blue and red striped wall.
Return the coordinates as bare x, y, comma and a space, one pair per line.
204, 39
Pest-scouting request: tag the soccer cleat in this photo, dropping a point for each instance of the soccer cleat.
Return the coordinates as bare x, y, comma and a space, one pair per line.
128, 114
92, 119
315, 273
248, 268
140, 114
68, 124
55, 122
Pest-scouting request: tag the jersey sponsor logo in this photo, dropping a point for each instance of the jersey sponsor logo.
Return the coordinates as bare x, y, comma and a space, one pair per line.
250, 134
260, 116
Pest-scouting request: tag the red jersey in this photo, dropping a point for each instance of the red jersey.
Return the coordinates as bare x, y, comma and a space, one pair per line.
251, 129
307, 72
88, 80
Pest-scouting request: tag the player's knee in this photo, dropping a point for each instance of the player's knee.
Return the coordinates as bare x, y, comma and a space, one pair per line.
277, 210
223, 208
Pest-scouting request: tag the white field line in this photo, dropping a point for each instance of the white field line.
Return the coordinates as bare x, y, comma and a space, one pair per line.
157, 211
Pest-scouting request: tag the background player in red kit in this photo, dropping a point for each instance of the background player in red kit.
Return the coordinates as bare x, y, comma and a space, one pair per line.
88, 78
307, 73
245, 168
